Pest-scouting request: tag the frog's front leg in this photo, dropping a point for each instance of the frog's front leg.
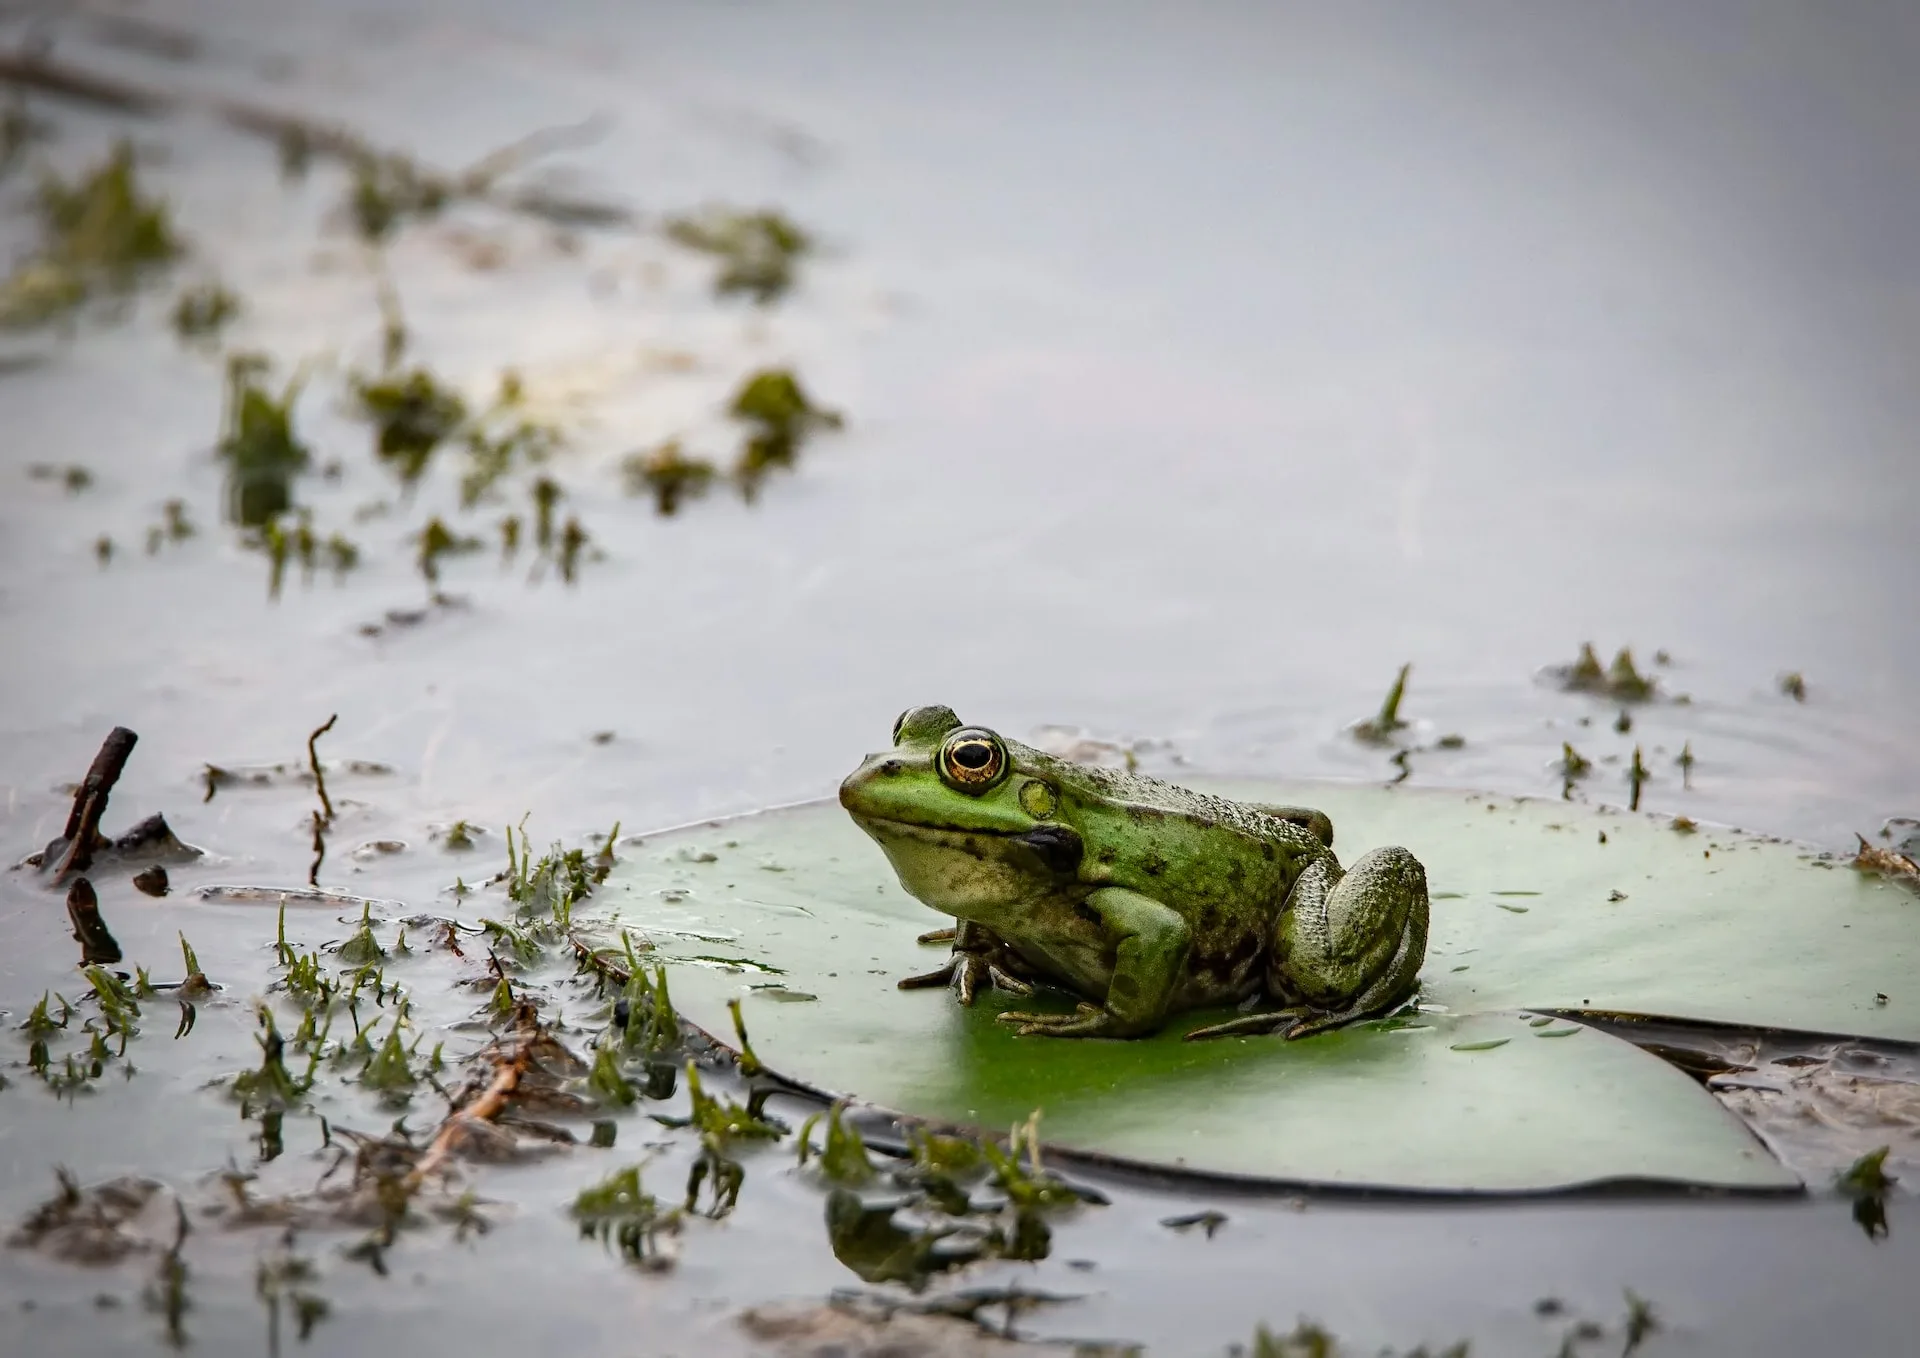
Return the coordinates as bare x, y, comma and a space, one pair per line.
980, 960
1350, 945
1150, 954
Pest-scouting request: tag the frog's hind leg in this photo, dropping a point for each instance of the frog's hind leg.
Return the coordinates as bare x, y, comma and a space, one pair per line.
1350, 945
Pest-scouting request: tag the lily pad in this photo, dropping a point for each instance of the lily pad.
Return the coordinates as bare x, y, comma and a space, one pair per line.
1755, 932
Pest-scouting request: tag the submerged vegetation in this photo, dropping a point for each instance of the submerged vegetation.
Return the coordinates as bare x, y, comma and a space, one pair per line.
757, 251
1621, 681
1379, 728
100, 237
780, 419
257, 443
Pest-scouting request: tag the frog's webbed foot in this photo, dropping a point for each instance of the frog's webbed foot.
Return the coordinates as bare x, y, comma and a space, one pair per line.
1251, 1025
1087, 1020
979, 961
968, 974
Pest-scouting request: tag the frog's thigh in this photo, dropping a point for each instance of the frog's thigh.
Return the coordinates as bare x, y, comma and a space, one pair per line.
1356, 936
1150, 954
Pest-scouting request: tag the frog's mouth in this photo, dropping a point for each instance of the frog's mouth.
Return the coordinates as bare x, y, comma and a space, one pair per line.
1058, 847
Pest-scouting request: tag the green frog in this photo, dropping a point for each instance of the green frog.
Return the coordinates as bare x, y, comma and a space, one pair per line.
1142, 898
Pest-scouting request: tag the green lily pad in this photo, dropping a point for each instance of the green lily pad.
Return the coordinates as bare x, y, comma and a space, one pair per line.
1756, 933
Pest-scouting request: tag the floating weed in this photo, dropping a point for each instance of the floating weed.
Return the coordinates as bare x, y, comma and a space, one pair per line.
757, 251
517, 944
1621, 681
390, 1069
257, 444
501, 1003
573, 540
459, 837
667, 474
721, 1118
1640, 1322
119, 1009
1794, 686
42, 1022
202, 311
1028, 1186
388, 190
660, 1032
437, 540
493, 456
99, 234
273, 1086
780, 418
749, 1063
620, 1213
546, 494
412, 414
843, 1157
1484, 1045
72, 477
1867, 1182
607, 1082
1379, 729
1573, 766
362, 948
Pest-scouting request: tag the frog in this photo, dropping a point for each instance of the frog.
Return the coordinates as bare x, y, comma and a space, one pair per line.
1139, 898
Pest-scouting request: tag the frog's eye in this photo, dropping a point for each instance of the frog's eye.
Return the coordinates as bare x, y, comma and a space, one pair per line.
972, 760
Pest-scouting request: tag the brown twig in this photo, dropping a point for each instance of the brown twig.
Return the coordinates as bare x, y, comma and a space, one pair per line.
486, 1106
313, 762
76, 846
97, 943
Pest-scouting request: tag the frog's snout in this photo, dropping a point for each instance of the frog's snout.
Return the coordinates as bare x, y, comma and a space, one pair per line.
854, 787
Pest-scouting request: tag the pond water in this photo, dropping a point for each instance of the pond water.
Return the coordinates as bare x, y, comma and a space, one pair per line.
1199, 370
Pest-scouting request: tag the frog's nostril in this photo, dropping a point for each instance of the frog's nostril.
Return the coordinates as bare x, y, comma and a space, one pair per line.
891, 766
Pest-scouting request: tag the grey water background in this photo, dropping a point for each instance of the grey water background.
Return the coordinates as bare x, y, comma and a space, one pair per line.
1202, 365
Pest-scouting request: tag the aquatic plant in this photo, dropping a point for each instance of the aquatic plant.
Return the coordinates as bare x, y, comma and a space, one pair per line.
257, 444
202, 311
780, 418
412, 414
668, 474
99, 234
1379, 729
757, 250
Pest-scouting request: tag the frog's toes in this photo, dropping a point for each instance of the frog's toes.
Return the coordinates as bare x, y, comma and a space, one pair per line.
928, 979
1088, 1020
1252, 1025
1013, 985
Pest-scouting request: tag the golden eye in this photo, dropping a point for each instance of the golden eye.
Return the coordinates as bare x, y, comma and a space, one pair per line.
973, 760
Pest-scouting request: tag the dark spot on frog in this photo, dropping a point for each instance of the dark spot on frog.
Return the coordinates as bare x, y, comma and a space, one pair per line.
1058, 847
1266, 849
